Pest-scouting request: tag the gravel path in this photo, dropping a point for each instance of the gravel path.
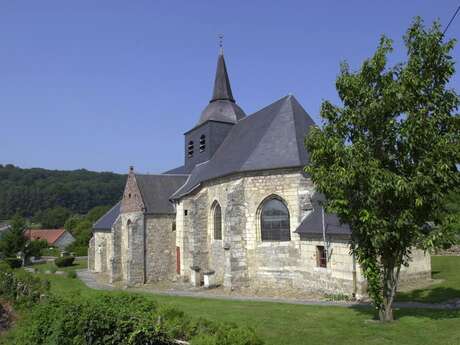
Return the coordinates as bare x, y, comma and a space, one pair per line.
90, 280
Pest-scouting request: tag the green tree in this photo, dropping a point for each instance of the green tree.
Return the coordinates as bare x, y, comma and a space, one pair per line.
14, 240
385, 159
53, 218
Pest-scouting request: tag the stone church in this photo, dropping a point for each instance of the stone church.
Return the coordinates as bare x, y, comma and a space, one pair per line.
239, 213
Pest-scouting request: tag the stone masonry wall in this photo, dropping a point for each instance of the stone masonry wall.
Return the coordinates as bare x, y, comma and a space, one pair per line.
103, 251
261, 264
91, 255
160, 247
116, 273
132, 248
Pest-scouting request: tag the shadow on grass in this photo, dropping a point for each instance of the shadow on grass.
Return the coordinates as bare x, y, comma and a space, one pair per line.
430, 295
399, 313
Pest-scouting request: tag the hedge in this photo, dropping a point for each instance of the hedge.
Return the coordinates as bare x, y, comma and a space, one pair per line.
64, 261
123, 319
21, 287
13, 262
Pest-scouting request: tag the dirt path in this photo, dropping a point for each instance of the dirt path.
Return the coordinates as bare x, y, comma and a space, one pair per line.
90, 280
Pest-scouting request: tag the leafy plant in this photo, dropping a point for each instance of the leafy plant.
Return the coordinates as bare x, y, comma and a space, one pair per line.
64, 261
13, 262
386, 159
14, 241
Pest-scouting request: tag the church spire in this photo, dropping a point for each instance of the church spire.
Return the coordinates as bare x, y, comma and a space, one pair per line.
222, 90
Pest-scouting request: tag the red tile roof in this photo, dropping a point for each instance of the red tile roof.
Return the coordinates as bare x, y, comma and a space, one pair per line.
50, 235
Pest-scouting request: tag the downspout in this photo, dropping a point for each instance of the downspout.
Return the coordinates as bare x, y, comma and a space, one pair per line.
355, 283
324, 235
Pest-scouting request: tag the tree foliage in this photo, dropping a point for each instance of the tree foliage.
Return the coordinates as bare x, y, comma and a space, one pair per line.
14, 241
52, 218
31, 190
81, 228
386, 158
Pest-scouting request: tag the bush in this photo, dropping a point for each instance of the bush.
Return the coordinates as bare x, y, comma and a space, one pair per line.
50, 251
122, 319
78, 250
64, 261
21, 287
13, 262
72, 274
36, 247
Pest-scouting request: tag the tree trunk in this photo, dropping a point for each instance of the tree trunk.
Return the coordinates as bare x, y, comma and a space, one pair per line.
390, 283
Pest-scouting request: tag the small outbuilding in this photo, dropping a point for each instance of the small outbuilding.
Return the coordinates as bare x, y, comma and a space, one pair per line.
60, 238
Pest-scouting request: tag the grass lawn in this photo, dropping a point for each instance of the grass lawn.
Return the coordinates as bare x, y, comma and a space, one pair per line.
447, 270
280, 324
78, 264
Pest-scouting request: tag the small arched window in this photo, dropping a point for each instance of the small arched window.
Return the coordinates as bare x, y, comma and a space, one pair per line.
274, 221
190, 148
217, 215
202, 143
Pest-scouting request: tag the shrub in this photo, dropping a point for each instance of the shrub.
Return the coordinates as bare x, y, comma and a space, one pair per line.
78, 250
53, 269
64, 261
50, 251
72, 274
21, 287
36, 247
122, 319
13, 262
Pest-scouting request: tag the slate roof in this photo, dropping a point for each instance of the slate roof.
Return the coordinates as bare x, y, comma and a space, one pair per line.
177, 171
107, 220
313, 223
222, 106
156, 189
270, 138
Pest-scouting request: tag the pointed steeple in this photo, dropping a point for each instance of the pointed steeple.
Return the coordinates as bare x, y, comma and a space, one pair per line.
222, 106
222, 90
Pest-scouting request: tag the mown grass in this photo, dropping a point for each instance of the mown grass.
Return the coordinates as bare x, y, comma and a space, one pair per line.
78, 264
280, 324
446, 270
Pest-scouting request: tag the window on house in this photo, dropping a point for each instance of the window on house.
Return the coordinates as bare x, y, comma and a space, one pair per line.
321, 259
274, 221
217, 221
202, 143
190, 149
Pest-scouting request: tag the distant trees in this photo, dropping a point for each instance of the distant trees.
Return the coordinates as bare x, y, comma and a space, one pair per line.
52, 218
29, 191
81, 228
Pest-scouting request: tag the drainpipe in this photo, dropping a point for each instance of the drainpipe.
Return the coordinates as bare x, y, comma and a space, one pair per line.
355, 283
324, 235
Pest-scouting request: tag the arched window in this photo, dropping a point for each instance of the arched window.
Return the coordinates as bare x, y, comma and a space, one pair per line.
202, 143
190, 148
274, 221
217, 215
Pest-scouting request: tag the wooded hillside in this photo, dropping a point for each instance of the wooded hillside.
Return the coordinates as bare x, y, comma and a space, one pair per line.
29, 191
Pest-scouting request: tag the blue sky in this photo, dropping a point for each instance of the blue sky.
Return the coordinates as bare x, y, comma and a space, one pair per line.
102, 85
